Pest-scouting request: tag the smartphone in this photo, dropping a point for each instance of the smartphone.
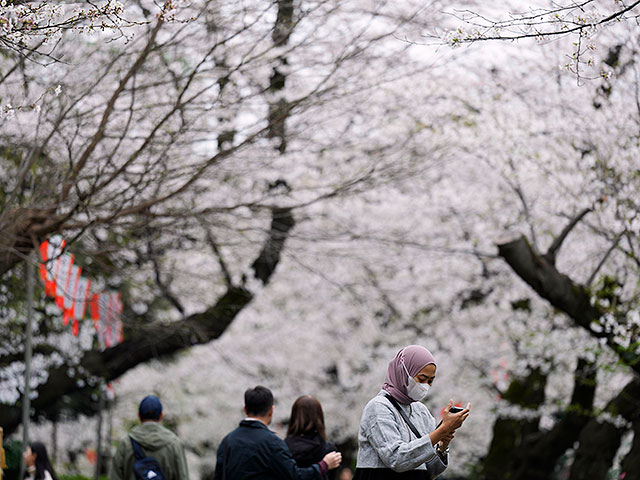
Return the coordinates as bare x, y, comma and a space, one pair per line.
455, 409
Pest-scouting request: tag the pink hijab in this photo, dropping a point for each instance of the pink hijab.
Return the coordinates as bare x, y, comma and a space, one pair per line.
414, 358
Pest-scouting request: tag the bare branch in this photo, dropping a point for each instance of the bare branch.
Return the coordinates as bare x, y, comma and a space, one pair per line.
614, 245
164, 288
557, 243
536, 20
393, 312
214, 246
146, 341
100, 132
515, 186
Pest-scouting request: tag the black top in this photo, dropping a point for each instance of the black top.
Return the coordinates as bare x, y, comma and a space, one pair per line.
388, 474
310, 449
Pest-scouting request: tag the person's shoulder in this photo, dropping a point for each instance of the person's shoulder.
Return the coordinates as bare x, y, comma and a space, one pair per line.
378, 405
169, 433
251, 431
171, 437
422, 409
256, 436
270, 438
124, 440
378, 402
155, 433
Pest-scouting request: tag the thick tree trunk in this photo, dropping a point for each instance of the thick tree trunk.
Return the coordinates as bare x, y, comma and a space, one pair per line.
538, 460
600, 440
279, 109
630, 466
149, 341
511, 435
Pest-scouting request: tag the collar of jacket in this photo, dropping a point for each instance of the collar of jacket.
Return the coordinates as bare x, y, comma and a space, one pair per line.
253, 424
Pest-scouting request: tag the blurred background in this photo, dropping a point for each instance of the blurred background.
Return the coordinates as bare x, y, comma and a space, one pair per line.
286, 193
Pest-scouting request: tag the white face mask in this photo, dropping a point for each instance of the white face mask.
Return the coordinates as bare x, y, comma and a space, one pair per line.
416, 391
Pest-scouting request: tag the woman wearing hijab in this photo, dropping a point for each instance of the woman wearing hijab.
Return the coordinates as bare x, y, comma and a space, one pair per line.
37, 462
306, 437
398, 438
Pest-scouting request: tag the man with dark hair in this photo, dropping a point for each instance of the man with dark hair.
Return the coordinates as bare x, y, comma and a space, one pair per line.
155, 440
252, 451
258, 401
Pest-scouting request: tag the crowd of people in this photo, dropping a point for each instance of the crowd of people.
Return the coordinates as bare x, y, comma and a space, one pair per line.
398, 437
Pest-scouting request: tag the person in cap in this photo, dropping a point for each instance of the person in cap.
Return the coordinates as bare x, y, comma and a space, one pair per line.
252, 451
398, 436
155, 440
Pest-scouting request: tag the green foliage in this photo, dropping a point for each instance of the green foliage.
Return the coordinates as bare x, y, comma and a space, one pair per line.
608, 289
527, 392
11, 160
523, 304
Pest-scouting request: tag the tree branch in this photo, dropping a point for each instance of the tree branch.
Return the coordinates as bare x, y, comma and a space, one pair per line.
559, 240
163, 287
577, 28
282, 222
100, 132
149, 341
525, 205
562, 292
216, 250
614, 245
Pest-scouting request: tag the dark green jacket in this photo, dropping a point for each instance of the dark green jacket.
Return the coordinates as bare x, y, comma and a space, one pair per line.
156, 441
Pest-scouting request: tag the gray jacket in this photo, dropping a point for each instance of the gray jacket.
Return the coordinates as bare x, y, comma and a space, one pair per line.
385, 440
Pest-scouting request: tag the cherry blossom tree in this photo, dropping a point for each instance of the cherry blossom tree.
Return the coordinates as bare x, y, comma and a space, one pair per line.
176, 152
582, 23
380, 181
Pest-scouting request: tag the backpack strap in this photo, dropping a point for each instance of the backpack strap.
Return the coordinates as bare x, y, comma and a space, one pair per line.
137, 449
404, 416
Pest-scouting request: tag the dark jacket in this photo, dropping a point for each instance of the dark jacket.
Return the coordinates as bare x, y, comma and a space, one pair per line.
310, 449
252, 451
156, 441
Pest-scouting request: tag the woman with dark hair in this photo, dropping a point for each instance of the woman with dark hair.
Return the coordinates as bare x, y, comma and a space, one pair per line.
37, 463
398, 437
306, 436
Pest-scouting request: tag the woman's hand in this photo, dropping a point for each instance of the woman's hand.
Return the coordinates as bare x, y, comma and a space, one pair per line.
452, 421
445, 440
333, 459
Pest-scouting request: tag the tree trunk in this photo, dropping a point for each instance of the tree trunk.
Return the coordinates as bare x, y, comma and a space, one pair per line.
600, 440
630, 466
511, 435
538, 460
279, 109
